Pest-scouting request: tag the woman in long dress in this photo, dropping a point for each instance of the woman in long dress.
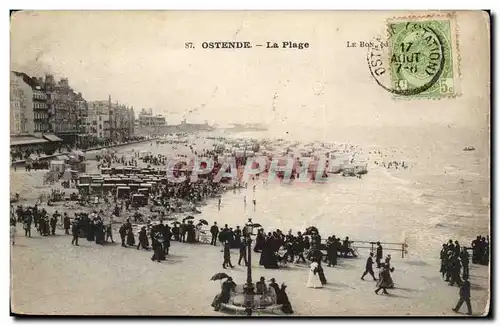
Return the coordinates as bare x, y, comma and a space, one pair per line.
197, 232
13, 232
390, 282
314, 281
130, 237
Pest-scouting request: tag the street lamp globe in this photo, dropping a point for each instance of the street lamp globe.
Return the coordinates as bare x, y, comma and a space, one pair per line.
249, 226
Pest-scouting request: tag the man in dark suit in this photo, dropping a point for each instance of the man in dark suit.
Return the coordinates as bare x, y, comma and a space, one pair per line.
74, 230
123, 233
66, 223
380, 254
464, 297
227, 255
369, 267
243, 252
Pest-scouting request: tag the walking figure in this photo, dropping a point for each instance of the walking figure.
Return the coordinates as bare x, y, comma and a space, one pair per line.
464, 297
243, 252
369, 267
227, 256
383, 279
74, 231
379, 256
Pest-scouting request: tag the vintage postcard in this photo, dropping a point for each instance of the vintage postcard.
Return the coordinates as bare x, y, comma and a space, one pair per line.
250, 163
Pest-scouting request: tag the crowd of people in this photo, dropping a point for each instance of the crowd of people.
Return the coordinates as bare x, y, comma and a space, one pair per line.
21, 153
277, 249
265, 295
481, 250
306, 248
454, 259
32, 215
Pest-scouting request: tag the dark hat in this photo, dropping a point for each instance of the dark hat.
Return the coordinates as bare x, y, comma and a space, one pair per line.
262, 278
272, 280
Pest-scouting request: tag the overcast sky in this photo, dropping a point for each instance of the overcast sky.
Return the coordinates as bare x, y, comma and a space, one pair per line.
139, 59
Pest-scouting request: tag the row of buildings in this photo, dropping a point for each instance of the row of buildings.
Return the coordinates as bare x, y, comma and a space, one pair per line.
43, 109
146, 118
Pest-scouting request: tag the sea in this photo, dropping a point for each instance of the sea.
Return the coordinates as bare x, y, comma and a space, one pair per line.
443, 194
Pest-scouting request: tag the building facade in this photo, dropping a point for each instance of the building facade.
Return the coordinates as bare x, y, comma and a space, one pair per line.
40, 110
22, 119
97, 120
109, 121
148, 119
121, 123
69, 110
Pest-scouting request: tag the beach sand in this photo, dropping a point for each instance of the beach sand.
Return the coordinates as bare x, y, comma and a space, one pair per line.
50, 276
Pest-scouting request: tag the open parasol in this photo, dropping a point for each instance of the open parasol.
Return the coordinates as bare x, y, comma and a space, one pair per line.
256, 225
188, 218
219, 276
310, 230
204, 222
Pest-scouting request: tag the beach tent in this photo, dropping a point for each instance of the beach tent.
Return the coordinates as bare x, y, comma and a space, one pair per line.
84, 188
57, 166
122, 192
139, 199
134, 186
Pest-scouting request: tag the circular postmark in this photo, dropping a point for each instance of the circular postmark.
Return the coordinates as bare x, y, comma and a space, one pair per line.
411, 60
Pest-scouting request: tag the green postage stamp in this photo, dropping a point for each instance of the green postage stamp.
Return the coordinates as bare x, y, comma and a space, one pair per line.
422, 58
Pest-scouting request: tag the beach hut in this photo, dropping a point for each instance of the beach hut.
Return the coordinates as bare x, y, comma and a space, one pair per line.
96, 188
348, 170
128, 170
334, 167
122, 192
147, 186
57, 166
107, 188
97, 180
85, 179
144, 191
360, 167
139, 199
84, 188
118, 170
134, 186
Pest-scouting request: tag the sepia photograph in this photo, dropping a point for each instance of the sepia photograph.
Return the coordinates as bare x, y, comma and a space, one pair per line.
250, 163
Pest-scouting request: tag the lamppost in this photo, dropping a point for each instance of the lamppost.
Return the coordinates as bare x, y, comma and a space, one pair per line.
248, 289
